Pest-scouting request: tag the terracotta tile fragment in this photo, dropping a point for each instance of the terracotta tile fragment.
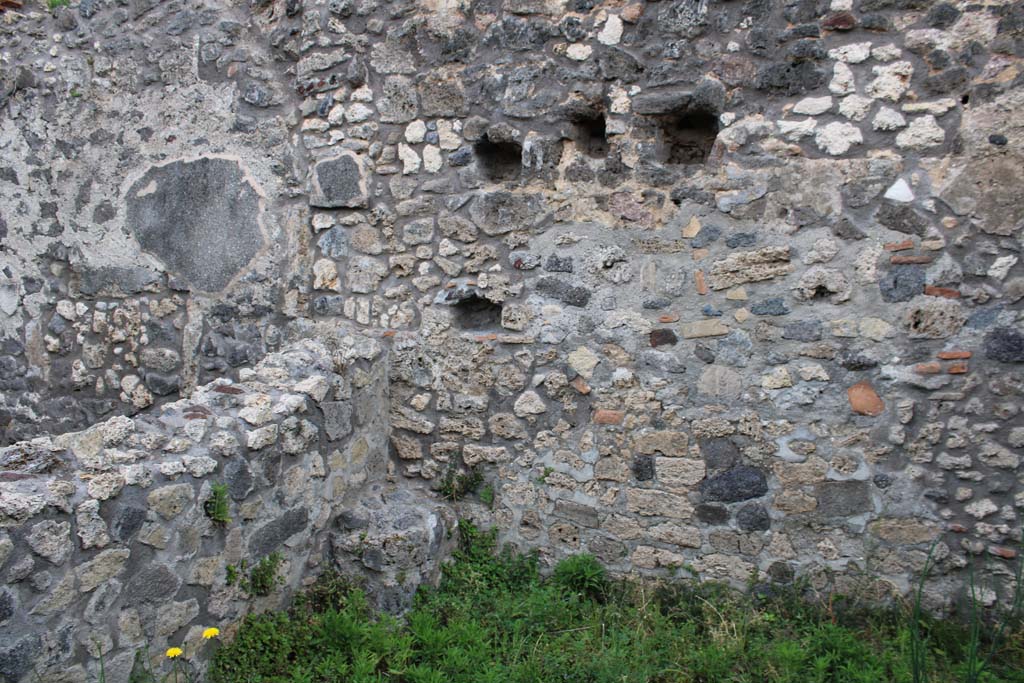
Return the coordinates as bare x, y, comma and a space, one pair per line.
580, 385
932, 368
899, 246
698, 278
668, 318
608, 417
947, 292
1002, 551
954, 355
864, 400
957, 369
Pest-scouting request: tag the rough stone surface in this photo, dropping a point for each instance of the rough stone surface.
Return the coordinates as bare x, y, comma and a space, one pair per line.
623, 257
201, 218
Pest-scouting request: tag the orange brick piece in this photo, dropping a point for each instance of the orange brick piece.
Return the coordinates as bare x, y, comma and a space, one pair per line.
668, 318
932, 368
947, 292
1002, 551
864, 400
954, 355
957, 369
702, 287
581, 386
899, 246
608, 417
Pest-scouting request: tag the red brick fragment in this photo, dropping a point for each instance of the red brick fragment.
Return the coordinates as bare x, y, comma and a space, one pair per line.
1002, 551
864, 400
899, 246
668, 318
954, 355
957, 369
932, 368
580, 385
919, 258
698, 278
608, 417
949, 293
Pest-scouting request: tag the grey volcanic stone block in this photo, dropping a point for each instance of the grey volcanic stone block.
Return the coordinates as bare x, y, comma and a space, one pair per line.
1005, 345
739, 483
338, 182
155, 583
201, 218
268, 537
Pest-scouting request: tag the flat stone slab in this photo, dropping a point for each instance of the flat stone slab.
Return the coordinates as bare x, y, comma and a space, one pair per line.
201, 218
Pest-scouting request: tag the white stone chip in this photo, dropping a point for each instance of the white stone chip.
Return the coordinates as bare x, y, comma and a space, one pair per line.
812, 106
611, 34
409, 158
922, 133
415, 132
843, 82
432, 160
851, 54
855, 107
579, 52
888, 118
796, 130
891, 81
836, 138
900, 192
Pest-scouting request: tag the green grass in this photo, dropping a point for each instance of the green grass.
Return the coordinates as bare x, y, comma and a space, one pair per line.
54, 4
494, 619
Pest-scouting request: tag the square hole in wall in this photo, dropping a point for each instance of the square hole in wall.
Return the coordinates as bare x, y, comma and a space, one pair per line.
476, 313
686, 137
590, 134
498, 161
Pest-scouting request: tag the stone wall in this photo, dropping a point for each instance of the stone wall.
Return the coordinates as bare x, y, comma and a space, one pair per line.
110, 545
731, 286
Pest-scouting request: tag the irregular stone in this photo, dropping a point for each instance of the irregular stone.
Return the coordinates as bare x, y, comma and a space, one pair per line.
106, 565
864, 400
704, 328
51, 540
1005, 344
734, 485
749, 266
720, 382
171, 501
338, 182
271, 535
928, 317
152, 583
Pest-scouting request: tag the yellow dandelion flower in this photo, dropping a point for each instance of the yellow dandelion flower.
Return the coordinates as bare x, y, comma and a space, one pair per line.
174, 652
211, 633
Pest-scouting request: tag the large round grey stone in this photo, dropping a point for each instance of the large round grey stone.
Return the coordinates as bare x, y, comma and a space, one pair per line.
201, 218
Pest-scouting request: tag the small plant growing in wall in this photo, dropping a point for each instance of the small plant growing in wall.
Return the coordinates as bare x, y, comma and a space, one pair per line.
264, 577
457, 485
261, 580
54, 4
216, 506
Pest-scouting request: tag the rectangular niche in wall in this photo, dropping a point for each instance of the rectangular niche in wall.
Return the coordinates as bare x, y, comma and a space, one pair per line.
590, 134
686, 137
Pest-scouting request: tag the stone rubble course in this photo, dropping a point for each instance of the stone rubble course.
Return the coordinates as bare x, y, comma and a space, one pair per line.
734, 286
